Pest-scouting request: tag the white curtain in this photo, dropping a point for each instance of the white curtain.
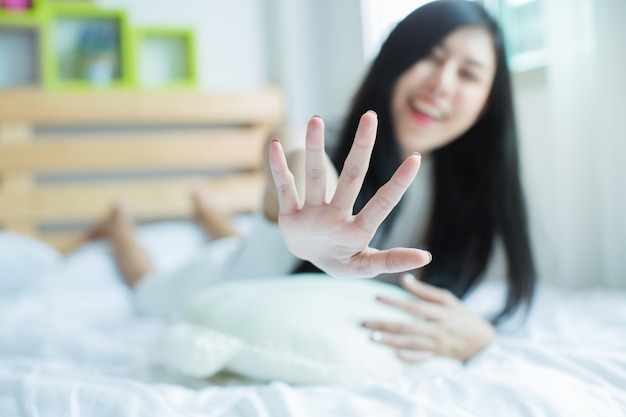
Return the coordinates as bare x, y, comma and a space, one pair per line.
574, 144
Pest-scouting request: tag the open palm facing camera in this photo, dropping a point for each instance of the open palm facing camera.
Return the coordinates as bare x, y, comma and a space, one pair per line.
326, 233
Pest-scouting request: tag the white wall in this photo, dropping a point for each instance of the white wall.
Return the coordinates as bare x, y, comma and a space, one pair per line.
230, 36
316, 54
571, 119
312, 48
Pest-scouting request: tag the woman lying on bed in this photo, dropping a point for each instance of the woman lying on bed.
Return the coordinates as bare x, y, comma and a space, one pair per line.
438, 95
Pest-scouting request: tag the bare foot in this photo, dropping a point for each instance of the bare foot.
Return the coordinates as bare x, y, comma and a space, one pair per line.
215, 222
119, 221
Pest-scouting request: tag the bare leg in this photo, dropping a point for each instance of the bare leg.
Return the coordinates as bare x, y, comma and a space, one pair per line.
131, 259
214, 221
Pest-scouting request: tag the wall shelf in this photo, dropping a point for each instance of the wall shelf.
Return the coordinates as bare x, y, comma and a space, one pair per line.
74, 45
88, 48
20, 55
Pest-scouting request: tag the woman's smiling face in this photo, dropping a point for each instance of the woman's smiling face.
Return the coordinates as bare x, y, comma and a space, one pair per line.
441, 96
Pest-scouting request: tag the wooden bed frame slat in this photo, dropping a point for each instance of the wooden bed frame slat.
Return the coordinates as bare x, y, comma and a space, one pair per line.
15, 133
238, 148
28, 106
16, 183
146, 139
150, 199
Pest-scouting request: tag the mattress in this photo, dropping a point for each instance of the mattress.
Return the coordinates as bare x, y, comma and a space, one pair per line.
73, 344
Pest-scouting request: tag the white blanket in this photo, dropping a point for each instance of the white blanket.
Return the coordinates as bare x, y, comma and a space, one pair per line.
72, 344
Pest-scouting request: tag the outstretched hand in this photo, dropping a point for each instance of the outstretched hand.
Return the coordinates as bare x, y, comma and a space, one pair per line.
326, 233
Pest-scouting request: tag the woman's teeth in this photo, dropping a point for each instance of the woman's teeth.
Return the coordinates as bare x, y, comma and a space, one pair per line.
428, 110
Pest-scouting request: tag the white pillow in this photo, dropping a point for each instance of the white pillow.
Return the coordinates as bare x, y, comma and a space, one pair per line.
301, 329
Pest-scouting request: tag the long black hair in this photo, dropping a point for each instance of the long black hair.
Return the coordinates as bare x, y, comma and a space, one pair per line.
477, 189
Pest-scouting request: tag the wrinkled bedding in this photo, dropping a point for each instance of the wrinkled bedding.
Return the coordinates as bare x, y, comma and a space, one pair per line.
72, 344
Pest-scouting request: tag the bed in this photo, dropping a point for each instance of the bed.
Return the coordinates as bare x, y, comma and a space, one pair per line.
72, 343
66, 157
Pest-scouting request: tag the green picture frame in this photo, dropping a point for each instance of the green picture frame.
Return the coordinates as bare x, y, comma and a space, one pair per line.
166, 58
87, 48
25, 70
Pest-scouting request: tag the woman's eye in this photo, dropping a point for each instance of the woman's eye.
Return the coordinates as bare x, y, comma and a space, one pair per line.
469, 75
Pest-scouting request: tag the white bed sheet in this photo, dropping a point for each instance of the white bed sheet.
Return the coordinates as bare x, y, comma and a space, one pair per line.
71, 344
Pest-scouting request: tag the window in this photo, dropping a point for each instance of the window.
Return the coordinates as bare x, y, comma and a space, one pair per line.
521, 20
379, 18
523, 24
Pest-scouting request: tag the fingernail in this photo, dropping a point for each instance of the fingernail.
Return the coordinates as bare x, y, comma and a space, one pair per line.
417, 154
318, 116
409, 279
365, 324
373, 112
275, 140
377, 336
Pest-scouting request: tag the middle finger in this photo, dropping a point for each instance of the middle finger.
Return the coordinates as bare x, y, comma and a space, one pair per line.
315, 163
356, 164
418, 308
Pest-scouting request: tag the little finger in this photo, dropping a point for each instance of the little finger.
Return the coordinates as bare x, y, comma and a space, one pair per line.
283, 179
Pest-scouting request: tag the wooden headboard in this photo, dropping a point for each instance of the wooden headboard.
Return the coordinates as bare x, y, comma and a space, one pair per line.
65, 157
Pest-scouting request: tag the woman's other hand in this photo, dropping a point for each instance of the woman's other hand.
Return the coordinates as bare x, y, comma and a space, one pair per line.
444, 327
326, 233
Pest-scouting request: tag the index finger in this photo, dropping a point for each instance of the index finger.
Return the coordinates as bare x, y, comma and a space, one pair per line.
357, 161
428, 292
423, 309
